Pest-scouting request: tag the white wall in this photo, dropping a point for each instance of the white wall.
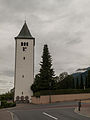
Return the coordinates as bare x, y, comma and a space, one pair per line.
24, 67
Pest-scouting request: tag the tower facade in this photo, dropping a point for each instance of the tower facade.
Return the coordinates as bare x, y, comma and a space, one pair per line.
24, 64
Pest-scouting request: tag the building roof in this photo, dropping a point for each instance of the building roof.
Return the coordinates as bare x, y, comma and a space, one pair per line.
24, 33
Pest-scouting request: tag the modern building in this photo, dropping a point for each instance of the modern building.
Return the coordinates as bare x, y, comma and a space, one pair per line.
24, 64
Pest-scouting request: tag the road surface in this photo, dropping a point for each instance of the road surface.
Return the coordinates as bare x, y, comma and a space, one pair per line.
57, 111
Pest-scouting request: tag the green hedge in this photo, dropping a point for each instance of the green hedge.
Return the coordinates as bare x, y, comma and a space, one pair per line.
61, 91
4, 104
7, 96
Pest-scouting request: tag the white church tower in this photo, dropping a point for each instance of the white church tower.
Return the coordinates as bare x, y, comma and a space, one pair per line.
24, 65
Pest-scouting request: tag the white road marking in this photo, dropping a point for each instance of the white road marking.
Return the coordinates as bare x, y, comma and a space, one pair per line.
50, 116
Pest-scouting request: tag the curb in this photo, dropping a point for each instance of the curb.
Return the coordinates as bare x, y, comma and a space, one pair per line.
14, 117
11, 114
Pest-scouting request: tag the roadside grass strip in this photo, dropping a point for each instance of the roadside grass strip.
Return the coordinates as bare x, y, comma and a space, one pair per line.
50, 116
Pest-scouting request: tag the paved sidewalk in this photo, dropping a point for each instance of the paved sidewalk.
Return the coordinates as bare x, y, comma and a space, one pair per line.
85, 108
85, 111
5, 115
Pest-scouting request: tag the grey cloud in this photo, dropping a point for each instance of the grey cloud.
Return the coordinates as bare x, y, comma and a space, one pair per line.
8, 73
74, 41
59, 23
62, 24
20, 8
73, 38
7, 61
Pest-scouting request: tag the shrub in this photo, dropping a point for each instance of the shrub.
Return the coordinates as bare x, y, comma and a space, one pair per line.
37, 94
61, 91
7, 96
4, 104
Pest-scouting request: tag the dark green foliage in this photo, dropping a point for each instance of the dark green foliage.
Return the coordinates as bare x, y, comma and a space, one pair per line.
4, 104
73, 83
35, 86
77, 84
88, 79
86, 84
46, 72
7, 96
45, 79
63, 75
81, 83
62, 91
37, 94
67, 83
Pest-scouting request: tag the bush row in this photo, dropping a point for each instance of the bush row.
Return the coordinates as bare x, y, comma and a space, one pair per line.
61, 91
4, 104
7, 96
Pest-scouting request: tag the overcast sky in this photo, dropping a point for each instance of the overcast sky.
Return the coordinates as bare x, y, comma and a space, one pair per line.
62, 24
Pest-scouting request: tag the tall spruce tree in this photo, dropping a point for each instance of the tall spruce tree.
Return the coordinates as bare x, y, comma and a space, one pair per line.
46, 71
45, 79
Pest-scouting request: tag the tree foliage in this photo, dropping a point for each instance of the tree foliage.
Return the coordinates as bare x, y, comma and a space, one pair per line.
77, 84
45, 79
88, 79
35, 85
66, 83
7, 96
81, 83
63, 76
86, 84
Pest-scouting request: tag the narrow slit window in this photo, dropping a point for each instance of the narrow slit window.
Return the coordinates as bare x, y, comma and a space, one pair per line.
21, 43
25, 43
22, 76
23, 58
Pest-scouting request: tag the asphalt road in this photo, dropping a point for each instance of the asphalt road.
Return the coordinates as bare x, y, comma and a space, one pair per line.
58, 111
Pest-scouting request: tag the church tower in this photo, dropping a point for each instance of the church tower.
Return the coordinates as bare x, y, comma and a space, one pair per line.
24, 65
